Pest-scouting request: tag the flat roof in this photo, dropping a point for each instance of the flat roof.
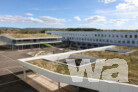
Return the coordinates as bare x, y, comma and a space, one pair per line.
31, 35
96, 31
49, 63
131, 58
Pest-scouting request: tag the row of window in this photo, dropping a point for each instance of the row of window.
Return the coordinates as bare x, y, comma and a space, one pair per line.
103, 40
98, 35
34, 40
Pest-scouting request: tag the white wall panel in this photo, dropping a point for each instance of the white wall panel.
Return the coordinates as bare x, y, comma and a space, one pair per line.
103, 86
113, 87
125, 88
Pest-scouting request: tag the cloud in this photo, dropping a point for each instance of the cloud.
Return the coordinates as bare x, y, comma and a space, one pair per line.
128, 5
91, 25
130, 14
29, 14
118, 22
135, 16
77, 18
108, 1
10, 18
95, 19
43, 19
49, 19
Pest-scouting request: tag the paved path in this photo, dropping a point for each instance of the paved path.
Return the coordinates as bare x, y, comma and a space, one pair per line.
10, 82
44, 84
8, 58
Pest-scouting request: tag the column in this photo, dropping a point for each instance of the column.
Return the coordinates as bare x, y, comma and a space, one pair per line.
24, 72
58, 86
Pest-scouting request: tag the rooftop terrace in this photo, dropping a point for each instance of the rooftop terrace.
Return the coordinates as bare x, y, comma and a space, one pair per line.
31, 35
131, 58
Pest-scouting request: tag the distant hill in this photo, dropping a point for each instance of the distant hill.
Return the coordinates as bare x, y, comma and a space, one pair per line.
42, 30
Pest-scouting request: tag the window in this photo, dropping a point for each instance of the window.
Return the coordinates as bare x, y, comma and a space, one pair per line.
14, 41
130, 36
95, 35
124, 42
107, 40
125, 36
109, 35
128, 42
84, 44
89, 45
78, 43
133, 42
136, 36
119, 41
100, 40
117, 36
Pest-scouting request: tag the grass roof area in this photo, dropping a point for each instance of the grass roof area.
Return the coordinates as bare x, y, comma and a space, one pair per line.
52, 66
31, 35
131, 58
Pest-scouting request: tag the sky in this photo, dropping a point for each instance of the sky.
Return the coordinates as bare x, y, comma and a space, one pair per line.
102, 14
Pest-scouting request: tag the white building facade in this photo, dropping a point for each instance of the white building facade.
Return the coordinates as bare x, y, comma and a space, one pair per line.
98, 38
